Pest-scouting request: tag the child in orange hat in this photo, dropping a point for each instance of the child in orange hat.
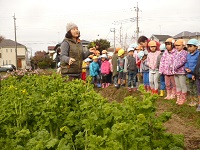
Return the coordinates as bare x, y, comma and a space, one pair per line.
179, 71
166, 68
153, 70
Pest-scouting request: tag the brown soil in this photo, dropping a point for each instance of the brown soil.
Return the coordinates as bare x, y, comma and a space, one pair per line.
180, 125
176, 125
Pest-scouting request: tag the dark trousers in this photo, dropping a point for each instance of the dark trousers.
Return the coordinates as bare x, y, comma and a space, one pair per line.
104, 78
132, 78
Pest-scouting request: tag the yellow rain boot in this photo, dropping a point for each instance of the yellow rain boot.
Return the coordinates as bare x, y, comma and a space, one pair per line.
161, 93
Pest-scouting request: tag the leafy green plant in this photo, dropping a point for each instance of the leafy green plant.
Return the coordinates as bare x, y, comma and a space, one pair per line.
46, 112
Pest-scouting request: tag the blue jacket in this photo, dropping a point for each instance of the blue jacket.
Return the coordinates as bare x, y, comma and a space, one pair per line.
94, 69
191, 62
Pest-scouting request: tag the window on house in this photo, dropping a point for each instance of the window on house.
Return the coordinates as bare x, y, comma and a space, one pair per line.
6, 50
11, 50
6, 62
9, 61
0, 55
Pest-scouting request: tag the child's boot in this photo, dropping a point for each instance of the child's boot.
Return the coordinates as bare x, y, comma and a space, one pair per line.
152, 91
156, 91
182, 99
106, 85
99, 85
179, 97
134, 89
148, 89
124, 83
198, 107
161, 93
145, 87
118, 86
103, 85
168, 94
173, 94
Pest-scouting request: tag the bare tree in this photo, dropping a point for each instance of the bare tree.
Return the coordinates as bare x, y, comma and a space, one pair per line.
1, 38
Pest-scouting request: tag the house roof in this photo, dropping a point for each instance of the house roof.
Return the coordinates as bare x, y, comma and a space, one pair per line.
85, 42
186, 34
161, 37
10, 43
111, 49
51, 48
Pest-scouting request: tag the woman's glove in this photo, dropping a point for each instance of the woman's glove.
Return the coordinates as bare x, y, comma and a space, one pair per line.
71, 61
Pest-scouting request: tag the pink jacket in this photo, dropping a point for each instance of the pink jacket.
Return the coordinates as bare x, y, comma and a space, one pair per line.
152, 59
166, 63
180, 59
105, 67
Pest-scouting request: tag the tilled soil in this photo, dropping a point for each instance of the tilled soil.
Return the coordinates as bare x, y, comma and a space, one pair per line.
180, 125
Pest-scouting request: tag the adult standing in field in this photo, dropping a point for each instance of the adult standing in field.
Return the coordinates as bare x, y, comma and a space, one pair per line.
72, 53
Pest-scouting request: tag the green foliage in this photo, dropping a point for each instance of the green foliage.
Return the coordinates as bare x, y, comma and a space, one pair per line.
46, 112
104, 44
42, 60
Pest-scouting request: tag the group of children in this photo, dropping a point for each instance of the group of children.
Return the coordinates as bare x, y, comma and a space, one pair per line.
169, 63
99, 67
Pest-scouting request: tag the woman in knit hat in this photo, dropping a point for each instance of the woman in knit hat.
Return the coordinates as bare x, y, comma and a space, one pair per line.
72, 53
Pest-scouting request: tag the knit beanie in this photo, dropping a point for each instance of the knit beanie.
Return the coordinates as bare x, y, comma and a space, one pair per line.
70, 26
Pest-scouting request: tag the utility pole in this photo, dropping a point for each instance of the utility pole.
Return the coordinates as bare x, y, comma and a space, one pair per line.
120, 35
137, 22
122, 22
114, 38
113, 30
15, 40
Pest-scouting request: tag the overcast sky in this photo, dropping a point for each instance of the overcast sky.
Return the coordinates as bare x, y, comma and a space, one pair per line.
42, 23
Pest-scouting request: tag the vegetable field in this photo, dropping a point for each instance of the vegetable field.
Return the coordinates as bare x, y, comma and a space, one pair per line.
41, 112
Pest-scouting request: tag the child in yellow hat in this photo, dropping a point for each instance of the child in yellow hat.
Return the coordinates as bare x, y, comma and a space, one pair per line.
121, 69
94, 72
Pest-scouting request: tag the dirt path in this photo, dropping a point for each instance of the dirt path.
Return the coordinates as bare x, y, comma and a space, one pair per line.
180, 125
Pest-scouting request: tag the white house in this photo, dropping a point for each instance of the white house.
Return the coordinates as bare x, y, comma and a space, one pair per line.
8, 54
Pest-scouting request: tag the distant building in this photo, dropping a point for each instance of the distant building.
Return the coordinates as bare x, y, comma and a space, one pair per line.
111, 50
85, 45
51, 51
160, 38
8, 54
186, 35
